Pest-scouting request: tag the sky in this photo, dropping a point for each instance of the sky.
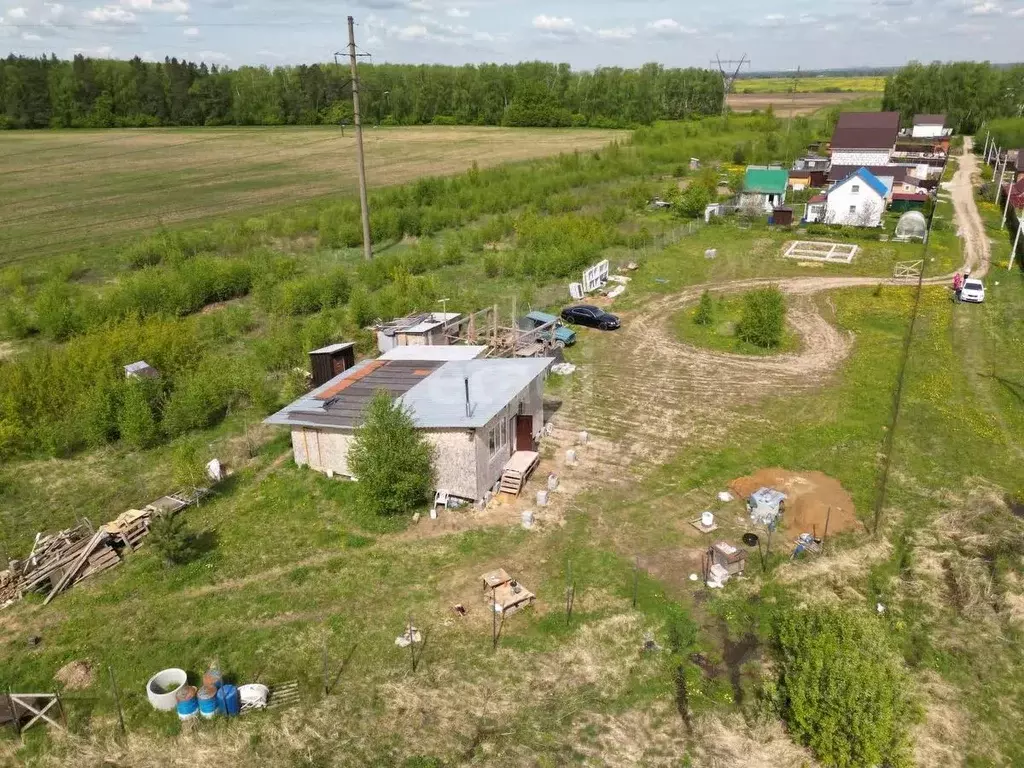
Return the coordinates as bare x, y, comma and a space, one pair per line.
785, 34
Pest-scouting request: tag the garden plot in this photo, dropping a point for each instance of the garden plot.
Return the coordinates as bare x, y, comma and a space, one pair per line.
812, 250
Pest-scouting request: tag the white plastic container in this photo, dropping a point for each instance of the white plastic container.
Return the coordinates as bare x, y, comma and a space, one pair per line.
528, 519
542, 498
162, 689
570, 457
707, 519
583, 438
552, 482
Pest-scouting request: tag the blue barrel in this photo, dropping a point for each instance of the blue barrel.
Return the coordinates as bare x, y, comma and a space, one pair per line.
213, 678
230, 700
188, 704
208, 701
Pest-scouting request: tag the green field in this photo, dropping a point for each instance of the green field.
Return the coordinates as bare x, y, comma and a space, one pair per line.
294, 582
67, 191
811, 84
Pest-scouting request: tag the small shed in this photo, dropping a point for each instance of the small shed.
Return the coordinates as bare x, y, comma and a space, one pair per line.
327, 362
782, 216
423, 329
141, 370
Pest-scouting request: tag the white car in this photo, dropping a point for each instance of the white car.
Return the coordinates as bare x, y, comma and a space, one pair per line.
973, 291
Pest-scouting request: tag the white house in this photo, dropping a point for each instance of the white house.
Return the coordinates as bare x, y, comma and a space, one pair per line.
858, 200
476, 413
764, 188
865, 138
929, 127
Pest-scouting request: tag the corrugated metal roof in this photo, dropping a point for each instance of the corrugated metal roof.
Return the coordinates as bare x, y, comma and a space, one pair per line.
930, 120
332, 348
433, 390
765, 181
439, 401
443, 352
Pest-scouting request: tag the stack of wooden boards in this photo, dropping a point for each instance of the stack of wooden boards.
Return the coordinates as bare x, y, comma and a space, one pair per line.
59, 561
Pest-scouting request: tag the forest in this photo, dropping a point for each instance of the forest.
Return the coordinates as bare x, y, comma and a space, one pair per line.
101, 93
968, 93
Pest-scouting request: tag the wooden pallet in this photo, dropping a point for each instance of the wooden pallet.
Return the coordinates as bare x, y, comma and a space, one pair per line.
283, 695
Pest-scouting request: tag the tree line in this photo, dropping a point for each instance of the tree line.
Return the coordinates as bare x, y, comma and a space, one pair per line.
104, 93
968, 93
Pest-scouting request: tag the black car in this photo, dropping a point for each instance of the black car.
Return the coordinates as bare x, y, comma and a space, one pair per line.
590, 316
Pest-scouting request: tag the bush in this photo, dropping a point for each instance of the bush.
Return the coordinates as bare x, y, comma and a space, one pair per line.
392, 461
705, 314
843, 690
136, 422
172, 540
764, 318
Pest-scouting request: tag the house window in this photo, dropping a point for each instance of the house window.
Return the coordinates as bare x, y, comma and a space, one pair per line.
853, 209
497, 437
856, 189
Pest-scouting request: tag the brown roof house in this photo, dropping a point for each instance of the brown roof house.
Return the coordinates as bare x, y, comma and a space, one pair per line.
476, 413
865, 139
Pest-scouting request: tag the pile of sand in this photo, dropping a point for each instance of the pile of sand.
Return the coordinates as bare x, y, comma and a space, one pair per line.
809, 497
75, 676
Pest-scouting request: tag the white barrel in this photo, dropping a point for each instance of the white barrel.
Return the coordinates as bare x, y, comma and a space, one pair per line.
570, 456
583, 438
552, 482
542, 498
707, 519
527, 518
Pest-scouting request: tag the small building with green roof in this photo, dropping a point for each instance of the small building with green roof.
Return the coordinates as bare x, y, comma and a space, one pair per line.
764, 187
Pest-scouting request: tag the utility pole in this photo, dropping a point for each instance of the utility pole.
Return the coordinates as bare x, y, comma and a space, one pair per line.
997, 176
357, 120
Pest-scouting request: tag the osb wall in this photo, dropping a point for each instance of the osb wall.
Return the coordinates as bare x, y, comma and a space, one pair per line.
454, 461
488, 468
323, 450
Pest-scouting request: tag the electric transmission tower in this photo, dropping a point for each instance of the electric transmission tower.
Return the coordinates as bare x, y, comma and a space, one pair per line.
729, 76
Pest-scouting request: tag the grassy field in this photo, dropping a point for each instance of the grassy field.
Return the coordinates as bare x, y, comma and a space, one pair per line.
720, 334
295, 583
807, 84
70, 190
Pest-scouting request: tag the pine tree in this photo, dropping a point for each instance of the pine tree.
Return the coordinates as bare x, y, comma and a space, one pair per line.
705, 314
392, 461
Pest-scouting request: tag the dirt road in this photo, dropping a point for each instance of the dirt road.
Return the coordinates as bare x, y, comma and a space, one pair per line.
977, 246
651, 394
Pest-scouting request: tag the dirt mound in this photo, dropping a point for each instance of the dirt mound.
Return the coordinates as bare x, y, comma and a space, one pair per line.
809, 497
75, 676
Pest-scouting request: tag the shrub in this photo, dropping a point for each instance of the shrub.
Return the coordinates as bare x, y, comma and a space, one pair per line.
391, 459
764, 318
843, 690
705, 314
136, 421
172, 540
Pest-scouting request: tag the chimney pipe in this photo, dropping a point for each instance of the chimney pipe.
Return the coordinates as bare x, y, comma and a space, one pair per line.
469, 410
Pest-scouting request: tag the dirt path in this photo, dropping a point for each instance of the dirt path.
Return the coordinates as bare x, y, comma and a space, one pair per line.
977, 246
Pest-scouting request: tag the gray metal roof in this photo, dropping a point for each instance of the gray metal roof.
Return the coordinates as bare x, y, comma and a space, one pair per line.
332, 348
444, 352
439, 401
434, 391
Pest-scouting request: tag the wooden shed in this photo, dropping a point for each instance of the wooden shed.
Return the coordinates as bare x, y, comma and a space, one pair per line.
327, 362
782, 216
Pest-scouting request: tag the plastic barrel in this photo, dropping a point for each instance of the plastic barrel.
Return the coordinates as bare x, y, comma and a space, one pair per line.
208, 701
230, 700
188, 704
213, 678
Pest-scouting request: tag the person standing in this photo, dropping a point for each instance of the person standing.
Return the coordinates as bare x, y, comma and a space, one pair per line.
958, 286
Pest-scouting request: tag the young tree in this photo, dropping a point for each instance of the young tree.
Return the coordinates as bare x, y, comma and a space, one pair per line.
705, 314
764, 317
171, 539
189, 469
135, 420
392, 461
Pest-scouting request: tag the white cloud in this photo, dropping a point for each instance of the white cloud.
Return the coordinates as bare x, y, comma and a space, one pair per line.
101, 52
411, 32
615, 33
985, 8
191, 31
17, 13
159, 6
183, 17
214, 57
271, 54
110, 14
1018, 12
420, 5
553, 23
669, 28
29, 37
457, 13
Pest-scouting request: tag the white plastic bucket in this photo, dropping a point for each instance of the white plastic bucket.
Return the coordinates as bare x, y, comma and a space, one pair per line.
542, 498
162, 689
528, 519
707, 519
